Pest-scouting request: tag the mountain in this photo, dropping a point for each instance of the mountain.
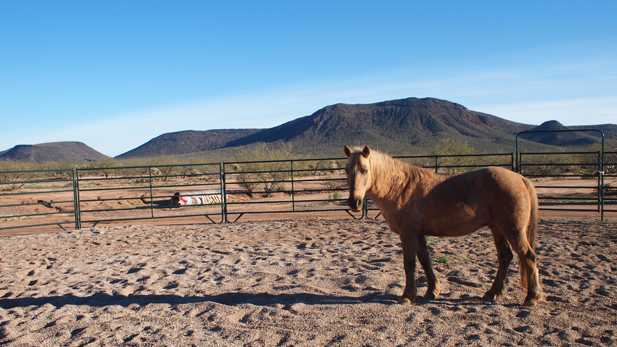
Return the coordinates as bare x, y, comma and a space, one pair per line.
186, 142
398, 127
556, 134
609, 130
52, 152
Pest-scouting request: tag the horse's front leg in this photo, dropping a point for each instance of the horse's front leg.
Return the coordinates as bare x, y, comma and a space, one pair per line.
432, 291
410, 249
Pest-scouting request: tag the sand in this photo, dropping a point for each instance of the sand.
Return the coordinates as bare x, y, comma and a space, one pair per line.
297, 283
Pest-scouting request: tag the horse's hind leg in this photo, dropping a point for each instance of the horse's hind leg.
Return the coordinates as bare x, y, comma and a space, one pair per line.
504, 255
425, 260
530, 280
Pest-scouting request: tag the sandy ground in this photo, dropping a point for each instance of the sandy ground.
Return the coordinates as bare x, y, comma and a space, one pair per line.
296, 283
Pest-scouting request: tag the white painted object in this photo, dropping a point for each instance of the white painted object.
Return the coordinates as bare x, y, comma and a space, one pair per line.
200, 197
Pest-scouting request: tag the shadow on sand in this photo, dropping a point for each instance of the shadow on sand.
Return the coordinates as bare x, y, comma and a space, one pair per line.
261, 299
104, 299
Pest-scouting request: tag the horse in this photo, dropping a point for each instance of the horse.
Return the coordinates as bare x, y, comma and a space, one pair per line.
416, 203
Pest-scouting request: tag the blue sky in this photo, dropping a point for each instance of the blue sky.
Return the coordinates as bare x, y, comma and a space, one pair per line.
115, 74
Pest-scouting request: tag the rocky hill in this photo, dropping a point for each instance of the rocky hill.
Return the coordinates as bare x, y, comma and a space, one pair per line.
556, 134
186, 142
397, 127
53, 152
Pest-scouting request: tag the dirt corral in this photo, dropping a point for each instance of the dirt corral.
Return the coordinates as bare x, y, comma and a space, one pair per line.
302, 283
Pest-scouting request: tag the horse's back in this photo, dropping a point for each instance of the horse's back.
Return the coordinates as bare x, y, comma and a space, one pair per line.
497, 187
477, 186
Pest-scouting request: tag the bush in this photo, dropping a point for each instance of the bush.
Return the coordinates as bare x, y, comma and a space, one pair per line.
453, 147
270, 175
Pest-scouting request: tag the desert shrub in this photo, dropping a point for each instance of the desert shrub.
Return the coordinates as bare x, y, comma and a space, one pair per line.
331, 184
610, 145
551, 164
610, 154
12, 165
336, 195
269, 172
453, 147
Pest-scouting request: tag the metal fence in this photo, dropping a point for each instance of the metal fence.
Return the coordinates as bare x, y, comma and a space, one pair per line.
570, 180
586, 168
285, 186
609, 190
38, 198
146, 192
225, 192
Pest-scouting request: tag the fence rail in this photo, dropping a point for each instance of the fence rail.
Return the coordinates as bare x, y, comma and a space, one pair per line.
227, 191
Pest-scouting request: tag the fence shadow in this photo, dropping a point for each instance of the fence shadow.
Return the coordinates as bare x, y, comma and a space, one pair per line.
261, 299
231, 299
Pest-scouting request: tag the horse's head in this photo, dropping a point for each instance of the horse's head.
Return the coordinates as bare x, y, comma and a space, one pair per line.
358, 176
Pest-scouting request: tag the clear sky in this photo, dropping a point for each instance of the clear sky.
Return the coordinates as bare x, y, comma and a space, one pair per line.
115, 74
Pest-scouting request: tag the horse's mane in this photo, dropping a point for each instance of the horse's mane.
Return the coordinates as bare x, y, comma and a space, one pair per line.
384, 164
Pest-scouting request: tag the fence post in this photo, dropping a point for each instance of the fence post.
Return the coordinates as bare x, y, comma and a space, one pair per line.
151, 202
513, 162
76, 199
519, 162
223, 191
436, 164
293, 193
601, 184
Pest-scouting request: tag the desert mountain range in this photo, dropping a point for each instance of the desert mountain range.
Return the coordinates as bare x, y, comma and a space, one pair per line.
406, 126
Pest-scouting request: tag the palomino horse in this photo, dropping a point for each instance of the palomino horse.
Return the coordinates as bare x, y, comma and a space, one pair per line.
417, 203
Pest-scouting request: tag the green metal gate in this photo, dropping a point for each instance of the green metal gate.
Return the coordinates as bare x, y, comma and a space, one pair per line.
26, 198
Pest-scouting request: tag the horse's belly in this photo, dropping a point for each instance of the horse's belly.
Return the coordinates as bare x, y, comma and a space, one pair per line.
453, 226
446, 232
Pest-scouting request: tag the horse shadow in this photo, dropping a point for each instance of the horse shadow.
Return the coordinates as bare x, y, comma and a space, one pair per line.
230, 299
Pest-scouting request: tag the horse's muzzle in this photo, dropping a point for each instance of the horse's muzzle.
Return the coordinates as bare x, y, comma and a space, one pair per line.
355, 204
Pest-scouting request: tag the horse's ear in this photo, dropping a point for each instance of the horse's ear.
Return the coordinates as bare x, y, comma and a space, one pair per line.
347, 151
366, 152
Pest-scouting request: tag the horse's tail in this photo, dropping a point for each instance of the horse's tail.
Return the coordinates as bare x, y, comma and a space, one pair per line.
532, 228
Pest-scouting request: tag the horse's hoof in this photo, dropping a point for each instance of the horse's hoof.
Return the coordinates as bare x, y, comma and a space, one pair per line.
405, 301
531, 302
491, 296
431, 296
